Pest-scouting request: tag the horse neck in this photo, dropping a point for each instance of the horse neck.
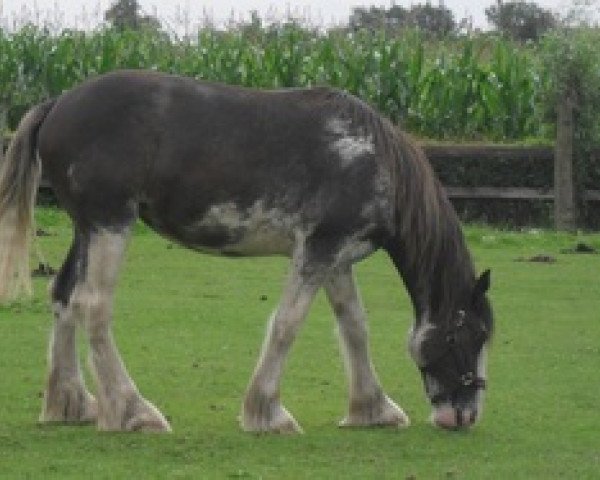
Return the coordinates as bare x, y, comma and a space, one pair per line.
431, 255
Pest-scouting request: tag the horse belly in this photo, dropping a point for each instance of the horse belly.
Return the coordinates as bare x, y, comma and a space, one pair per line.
231, 230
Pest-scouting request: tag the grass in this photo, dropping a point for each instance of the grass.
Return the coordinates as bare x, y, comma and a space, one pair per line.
190, 326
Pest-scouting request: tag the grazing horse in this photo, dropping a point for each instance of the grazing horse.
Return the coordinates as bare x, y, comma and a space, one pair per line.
314, 174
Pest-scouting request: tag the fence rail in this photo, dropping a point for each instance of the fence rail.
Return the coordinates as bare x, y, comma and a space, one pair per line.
490, 153
484, 153
500, 193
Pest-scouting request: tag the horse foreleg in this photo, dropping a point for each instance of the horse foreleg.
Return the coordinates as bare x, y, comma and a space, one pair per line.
120, 405
262, 410
368, 404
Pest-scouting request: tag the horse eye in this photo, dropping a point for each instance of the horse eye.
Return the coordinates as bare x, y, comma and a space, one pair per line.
483, 333
467, 379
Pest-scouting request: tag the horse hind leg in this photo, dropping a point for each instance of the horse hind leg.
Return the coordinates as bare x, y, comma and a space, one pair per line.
120, 405
368, 404
66, 399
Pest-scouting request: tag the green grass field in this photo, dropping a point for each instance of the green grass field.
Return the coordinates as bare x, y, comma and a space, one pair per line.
190, 327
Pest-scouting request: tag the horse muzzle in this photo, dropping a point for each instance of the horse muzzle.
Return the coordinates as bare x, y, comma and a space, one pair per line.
452, 417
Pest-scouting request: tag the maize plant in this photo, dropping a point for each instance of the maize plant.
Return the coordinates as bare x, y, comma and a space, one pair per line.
465, 88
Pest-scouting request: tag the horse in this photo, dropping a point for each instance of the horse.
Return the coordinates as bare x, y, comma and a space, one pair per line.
311, 173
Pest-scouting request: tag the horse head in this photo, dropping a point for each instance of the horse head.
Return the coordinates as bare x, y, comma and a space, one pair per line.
451, 354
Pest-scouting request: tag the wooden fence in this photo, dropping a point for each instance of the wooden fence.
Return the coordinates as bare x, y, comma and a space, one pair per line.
487, 153
490, 153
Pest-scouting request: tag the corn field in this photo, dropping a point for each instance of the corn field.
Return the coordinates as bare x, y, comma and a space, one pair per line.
481, 88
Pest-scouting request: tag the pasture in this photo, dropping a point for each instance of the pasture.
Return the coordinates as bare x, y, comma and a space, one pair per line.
190, 327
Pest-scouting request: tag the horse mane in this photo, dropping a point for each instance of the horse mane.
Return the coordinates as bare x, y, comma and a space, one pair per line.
436, 258
427, 246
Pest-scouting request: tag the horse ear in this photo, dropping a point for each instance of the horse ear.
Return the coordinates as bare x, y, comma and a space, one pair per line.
482, 285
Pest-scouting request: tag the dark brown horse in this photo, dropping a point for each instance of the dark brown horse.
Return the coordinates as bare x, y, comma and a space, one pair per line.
315, 174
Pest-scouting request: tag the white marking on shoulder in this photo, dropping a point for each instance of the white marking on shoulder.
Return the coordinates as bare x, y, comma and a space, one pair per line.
338, 126
349, 146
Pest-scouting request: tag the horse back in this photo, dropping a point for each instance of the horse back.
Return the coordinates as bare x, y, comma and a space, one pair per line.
207, 163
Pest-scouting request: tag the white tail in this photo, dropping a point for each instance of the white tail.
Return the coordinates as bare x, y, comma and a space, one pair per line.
19, 180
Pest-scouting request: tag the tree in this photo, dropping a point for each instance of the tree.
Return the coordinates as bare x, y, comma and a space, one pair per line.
520, 20
373, 18
437, 21
125, 15
570, 61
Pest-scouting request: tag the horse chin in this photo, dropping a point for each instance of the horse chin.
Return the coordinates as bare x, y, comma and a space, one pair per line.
451, 417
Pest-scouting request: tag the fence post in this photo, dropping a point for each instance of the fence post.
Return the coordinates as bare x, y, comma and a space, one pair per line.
3, 128
564, 191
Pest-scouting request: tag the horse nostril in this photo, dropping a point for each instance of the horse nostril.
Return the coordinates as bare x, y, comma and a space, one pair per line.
459, 417
473, 416
466, 417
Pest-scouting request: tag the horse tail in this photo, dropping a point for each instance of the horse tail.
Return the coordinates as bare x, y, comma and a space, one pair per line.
19, 180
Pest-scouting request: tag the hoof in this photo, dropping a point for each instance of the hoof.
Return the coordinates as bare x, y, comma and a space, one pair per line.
146, 423
135, 414
379, 412
277, 420
69, 404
